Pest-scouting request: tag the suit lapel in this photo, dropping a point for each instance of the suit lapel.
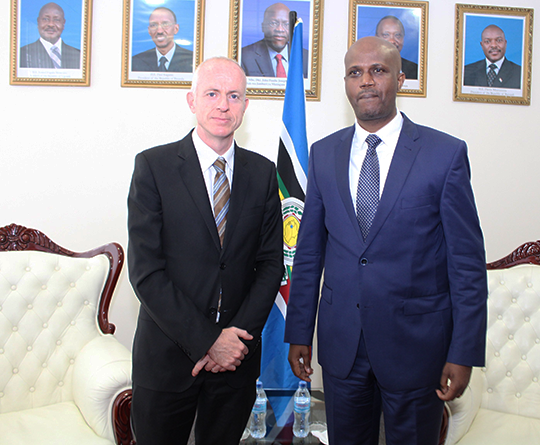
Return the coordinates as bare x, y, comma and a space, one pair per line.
241, 184
404, 156
191, 176
263, 60
343, 155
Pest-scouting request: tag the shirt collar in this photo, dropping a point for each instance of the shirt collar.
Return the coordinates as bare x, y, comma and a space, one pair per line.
169, 55
48, 45
389, 134
284, 53
498, 63
207, 156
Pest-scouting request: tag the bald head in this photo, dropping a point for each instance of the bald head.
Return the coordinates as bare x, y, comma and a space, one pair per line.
374, 44
275, 26
391, 29
51, 22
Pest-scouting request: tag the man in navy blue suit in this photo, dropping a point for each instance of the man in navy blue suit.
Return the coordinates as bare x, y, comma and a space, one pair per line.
402, 310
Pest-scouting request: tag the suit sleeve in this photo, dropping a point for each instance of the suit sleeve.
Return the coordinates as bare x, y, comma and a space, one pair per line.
269, 270
193, 332
308, 265
466, 264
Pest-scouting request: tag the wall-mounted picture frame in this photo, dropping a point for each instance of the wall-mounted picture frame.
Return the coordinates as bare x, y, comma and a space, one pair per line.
402, 23
162, 44
259, 31
493, 54
50, 42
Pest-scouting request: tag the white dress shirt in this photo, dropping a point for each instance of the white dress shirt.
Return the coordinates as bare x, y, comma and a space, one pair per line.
207, 157
389, 135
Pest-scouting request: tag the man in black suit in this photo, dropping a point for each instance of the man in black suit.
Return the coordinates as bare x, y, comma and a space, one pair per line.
391, 29
167, 55
495, 70
50, 51
269, 57
205, 287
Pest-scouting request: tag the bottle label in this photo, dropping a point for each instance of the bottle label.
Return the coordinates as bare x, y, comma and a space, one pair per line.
302, 404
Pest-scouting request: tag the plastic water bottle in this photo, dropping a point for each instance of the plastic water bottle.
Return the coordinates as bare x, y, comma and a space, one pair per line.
302, 406
258, 414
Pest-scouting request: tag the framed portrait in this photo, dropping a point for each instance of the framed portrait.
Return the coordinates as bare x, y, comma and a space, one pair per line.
259, 41
162, 43
493, 54
402, 23
50, 42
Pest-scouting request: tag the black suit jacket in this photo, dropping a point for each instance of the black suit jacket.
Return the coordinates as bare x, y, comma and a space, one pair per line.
256, 60
34, 55
410, 69
182, 61
509, 75
177, 266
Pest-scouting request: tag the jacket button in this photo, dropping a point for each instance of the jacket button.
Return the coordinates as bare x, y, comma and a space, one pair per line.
363, 261
222, 266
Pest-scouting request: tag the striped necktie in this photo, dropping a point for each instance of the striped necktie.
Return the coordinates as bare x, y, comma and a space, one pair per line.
221, 197
367, 193
56, 57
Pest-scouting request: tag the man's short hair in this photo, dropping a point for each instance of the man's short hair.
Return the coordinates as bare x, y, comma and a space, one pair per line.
166, 9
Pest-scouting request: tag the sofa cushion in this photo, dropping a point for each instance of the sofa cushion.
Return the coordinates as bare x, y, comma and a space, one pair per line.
496, 428
62, 422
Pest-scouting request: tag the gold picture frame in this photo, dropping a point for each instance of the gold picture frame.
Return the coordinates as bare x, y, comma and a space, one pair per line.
34, 32
478, 29
140, 54
404, 24
246, 17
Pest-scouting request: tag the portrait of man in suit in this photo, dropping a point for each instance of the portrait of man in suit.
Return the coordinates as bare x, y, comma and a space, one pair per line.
269, 57
205, 259
167, 55
50, 51
392, 30
390, 217
495, 70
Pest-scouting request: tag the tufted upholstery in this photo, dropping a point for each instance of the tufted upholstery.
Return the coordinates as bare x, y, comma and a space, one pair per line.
502, 403
59, 372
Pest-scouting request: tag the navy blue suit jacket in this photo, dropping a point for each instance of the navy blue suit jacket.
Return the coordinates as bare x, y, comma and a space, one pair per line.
509, 75
416, 287
256, 60
34, 55
182, 61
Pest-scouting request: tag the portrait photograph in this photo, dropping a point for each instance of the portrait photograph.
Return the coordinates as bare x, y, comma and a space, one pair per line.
50, 42
493, 54
162, 42
404, 25
260, 43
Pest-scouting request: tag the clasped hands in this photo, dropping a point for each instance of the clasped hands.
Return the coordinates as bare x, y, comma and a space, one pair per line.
226, 354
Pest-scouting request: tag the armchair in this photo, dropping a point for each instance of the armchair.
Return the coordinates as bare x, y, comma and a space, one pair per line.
64, 378
502, 403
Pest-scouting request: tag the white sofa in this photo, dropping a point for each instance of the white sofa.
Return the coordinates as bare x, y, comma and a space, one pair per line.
502, 404
63, 375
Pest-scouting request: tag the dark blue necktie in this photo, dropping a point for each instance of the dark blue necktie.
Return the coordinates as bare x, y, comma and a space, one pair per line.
367, 193
162, 62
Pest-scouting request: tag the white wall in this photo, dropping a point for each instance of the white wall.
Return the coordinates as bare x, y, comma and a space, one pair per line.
66, 153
